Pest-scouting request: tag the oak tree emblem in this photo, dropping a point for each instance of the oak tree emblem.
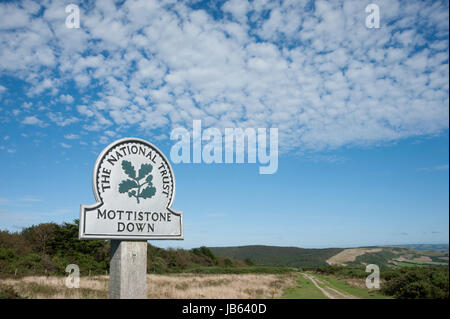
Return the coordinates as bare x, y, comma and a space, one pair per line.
133, 185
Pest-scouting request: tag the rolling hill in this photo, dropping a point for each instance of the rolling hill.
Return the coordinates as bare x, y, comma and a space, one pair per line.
278, 256
439, 247
383, 256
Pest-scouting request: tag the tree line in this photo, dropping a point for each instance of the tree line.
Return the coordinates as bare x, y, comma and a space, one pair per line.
48, 248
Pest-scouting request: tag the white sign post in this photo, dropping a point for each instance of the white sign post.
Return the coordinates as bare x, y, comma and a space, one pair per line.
134, 187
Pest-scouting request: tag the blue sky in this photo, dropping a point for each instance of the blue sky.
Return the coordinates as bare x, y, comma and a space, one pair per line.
362, 114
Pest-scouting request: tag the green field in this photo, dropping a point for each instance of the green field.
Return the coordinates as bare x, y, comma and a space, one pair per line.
304, 289
414, 263
341, 285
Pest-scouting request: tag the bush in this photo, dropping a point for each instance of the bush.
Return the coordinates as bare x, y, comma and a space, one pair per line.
7, 255
228, 262
352, 272
249, 262
239, 270
417, 283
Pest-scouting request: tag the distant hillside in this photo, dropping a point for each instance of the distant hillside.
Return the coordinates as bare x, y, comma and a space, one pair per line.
390, 256
440, 247
383, 256
278, 256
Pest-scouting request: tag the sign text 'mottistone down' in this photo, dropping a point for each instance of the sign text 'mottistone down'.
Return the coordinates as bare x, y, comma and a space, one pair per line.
147, 219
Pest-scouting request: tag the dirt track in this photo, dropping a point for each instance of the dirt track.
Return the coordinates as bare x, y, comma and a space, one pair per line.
328, 291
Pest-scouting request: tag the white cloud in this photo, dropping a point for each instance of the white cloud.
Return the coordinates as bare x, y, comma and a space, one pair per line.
315, 72
60, 120
65, 145
66, 98
104, 140
27, 105
238, 9
39, 87
30, 199
110, 133
32, 120
12, 17
443, 167
72, 136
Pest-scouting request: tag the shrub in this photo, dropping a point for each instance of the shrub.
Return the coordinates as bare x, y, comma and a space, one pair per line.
249, 262
418, 283
228, 262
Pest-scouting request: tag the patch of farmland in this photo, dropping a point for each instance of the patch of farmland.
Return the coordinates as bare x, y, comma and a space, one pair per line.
423, 258
349, 255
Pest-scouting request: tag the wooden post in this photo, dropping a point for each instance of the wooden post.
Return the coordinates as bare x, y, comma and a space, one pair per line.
128, 270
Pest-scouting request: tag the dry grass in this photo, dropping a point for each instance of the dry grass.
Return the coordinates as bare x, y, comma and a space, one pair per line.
423, 258
349, 255
192, 286
217, 286
42, 287
356, 282
360, 282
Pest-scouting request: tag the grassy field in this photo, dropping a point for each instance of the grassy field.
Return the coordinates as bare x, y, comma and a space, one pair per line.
191, 286
332, 286
304, 289
354, 287
187, 286
414, 263
40, 287
419, 282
